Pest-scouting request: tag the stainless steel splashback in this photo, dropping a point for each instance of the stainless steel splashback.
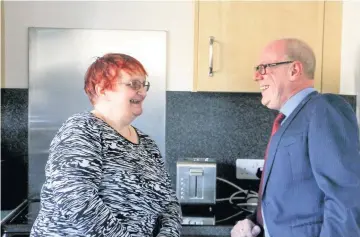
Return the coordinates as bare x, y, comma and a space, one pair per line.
58, 59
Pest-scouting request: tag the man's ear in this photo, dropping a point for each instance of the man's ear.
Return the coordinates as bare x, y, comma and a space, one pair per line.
296, 70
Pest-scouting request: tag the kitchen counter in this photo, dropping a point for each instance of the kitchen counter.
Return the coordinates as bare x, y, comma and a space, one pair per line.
208, 231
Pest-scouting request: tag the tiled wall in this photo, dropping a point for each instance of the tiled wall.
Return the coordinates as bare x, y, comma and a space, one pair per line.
224, 126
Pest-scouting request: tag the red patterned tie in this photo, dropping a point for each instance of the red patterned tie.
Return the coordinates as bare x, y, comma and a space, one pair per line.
275, 127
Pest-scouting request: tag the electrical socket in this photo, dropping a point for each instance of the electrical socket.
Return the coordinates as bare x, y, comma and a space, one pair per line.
247, 168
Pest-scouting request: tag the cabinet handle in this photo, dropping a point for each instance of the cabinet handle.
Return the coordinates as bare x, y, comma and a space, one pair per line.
211, 43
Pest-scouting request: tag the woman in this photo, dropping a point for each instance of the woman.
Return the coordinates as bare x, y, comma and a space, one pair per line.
105, 177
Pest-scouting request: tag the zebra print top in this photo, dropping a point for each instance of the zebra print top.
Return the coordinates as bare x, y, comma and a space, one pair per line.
100, 184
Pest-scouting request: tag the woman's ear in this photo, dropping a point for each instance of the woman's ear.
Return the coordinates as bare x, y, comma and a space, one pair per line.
100, 91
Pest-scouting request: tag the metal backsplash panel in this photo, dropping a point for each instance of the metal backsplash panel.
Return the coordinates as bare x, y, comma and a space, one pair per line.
58, 59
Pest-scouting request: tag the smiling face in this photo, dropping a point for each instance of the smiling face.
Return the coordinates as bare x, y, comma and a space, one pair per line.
115, 85
125, 98
275, 83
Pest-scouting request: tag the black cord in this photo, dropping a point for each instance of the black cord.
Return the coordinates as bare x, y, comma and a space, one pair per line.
258, 173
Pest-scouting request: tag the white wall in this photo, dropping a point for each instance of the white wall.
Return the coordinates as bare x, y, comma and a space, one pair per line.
350, 59
175, 17
350, 52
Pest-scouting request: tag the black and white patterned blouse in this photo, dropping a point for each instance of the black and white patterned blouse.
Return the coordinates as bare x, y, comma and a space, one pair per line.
100, 184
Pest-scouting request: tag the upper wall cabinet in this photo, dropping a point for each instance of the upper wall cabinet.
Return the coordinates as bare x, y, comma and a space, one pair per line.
229, 36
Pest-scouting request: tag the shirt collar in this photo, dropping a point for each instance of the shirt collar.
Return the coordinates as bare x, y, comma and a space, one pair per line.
294, 101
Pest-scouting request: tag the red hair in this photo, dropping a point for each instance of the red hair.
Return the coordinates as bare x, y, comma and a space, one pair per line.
105, 71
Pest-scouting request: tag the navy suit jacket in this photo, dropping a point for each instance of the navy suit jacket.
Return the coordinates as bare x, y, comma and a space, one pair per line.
312, 173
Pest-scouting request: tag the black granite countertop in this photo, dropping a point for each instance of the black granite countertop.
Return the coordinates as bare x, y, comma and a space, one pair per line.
208, 231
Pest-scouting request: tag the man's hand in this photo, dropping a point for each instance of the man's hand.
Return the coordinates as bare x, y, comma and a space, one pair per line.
245, 228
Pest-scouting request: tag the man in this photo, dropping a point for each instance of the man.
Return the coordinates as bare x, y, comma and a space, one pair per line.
311, 180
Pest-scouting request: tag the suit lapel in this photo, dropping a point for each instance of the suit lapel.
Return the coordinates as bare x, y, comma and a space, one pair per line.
277, 137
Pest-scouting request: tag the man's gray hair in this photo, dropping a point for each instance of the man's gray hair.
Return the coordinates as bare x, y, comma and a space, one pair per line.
297, 50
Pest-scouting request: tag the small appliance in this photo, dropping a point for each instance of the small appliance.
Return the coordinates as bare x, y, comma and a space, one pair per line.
196, 190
